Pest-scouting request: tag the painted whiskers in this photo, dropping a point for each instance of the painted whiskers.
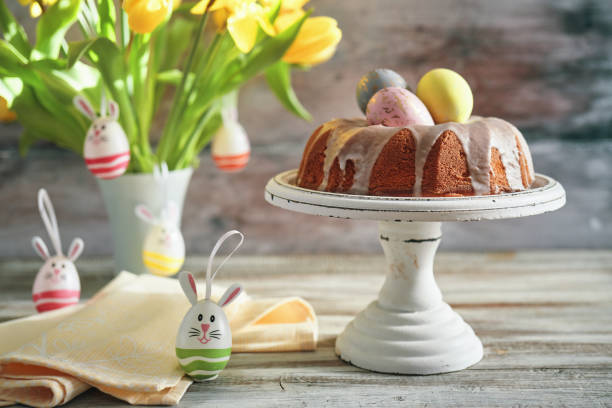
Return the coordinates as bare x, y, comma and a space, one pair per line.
204, 339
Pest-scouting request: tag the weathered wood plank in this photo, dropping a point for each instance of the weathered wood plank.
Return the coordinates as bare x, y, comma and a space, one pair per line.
544, 65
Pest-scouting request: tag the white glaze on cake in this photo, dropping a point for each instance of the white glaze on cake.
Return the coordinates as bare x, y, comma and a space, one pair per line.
353, 139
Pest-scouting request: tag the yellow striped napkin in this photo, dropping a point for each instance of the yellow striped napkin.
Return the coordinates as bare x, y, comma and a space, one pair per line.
122, 342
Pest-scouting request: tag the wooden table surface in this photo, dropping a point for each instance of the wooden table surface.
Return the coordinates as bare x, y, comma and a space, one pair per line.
545, 319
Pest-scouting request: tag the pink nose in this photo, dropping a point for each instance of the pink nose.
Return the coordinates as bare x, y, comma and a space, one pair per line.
205, 328
97, 132
56, 271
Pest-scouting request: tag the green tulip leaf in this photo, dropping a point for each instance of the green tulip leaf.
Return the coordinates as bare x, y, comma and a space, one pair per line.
52, 27
108, 17
13, 32
279, 80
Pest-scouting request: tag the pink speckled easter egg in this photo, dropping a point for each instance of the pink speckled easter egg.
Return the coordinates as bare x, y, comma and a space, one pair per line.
397, 107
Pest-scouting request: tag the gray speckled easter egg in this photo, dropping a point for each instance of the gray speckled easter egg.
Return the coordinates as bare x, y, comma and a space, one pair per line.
374, 81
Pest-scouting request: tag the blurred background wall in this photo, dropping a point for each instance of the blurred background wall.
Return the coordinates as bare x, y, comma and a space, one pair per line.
546, 66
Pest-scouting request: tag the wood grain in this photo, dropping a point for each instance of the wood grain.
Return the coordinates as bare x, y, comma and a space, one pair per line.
544, 317
543, 65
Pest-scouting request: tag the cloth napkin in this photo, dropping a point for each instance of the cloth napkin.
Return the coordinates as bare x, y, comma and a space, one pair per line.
122, 342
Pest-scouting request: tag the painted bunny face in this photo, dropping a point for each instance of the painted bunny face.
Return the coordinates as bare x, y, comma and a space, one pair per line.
165, 239
57, 283
105, 137
205, 326
57, 273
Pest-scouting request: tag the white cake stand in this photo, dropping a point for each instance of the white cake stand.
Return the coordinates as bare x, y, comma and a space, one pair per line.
409, 329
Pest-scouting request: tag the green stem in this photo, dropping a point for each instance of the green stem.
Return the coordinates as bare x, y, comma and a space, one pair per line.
208, 59
172, 117
184, 156
125, 29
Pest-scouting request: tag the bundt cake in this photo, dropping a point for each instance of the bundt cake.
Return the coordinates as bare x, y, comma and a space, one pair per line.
478, 157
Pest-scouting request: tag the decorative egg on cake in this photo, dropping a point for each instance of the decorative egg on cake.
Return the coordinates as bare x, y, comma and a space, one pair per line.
397, 107
57, 282
447, 95
106, 150
374, 81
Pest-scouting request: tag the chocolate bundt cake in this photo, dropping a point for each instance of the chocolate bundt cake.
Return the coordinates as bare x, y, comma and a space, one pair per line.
481, 156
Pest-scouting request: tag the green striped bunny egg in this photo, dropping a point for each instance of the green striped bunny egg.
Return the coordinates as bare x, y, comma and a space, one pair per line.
204, 338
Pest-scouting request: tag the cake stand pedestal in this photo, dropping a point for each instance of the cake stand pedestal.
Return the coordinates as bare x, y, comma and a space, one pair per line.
409, 329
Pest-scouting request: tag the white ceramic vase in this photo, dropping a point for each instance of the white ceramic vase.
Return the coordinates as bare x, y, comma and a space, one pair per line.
121, 195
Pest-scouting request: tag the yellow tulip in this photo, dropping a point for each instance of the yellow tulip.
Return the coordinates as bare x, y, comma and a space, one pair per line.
286, 5
35, 6
6, 115
145, 15
243, 19
315, 43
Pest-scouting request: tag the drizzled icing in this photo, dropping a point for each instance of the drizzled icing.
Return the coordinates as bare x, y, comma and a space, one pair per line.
353, 139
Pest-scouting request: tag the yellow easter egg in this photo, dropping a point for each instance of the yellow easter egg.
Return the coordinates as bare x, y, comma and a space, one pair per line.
447, 95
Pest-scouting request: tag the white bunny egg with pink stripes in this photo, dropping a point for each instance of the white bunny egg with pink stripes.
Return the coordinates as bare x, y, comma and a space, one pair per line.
106, 150
57, 283
230, 146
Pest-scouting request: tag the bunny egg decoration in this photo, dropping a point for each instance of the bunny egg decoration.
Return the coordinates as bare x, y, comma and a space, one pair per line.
106, 150
57, 282
230, 146
204, 339
163, 251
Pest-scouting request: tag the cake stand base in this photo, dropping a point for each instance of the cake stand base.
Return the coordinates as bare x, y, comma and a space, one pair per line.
409, 329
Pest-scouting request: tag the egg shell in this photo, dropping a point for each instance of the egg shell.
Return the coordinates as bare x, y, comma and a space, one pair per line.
201, 358
49, 292
107, 153
230, 147
163, 258
373, 82
447, 95
397, 107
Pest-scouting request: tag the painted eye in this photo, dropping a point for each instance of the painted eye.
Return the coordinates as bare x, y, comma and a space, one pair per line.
212, 318
200, 317
103, 127
63, 266
53, 264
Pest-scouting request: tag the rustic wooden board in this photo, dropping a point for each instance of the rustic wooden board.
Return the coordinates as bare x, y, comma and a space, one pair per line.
544, 65
544, 317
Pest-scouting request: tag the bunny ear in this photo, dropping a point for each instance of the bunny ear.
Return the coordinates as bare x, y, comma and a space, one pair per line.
144, 213
41, 249
113, 109
189, 287
83, 105
75, 249
230, 295
172, 213
47, 213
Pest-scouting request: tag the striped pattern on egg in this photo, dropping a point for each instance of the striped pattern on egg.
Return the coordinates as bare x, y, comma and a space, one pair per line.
160, 264
230, 147
55, 299
203, 364
231, 163
110, 166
